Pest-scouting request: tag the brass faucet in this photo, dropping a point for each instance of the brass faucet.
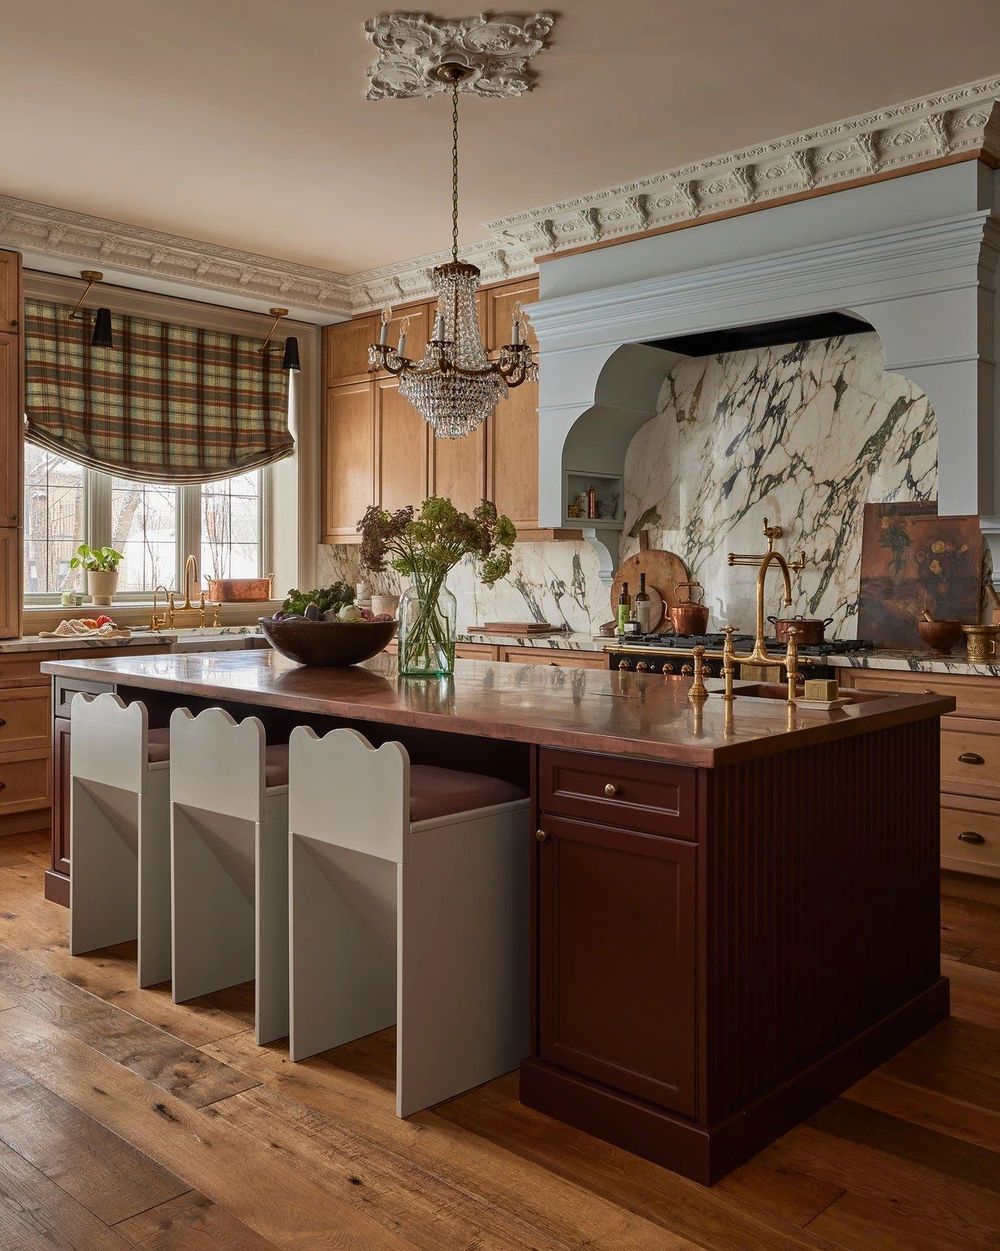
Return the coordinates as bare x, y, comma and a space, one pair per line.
191, 579
190, 584
760, 655
155, 622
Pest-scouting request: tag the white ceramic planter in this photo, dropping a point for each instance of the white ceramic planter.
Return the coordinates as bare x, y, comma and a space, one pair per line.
101, 587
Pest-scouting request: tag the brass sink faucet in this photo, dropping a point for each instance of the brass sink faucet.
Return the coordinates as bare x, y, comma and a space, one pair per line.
191, 580
760, 655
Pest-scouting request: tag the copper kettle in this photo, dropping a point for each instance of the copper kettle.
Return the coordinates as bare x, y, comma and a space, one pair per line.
690, 616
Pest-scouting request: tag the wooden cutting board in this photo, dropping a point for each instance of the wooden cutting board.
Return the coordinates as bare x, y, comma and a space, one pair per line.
663, 570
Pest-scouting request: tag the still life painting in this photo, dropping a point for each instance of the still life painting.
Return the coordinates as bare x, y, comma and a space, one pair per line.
912, 560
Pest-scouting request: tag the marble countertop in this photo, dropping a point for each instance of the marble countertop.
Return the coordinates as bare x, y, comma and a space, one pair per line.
138, 638
918, 660
575, 707
578, 641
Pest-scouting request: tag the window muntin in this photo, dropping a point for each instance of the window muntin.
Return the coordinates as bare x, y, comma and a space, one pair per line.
231, 527
53, 521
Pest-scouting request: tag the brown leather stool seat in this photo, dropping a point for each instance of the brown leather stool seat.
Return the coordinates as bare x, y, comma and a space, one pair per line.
158, 745
276, 765
438, 792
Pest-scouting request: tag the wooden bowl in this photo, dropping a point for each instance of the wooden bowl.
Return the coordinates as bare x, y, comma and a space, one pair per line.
327, 644
940, 636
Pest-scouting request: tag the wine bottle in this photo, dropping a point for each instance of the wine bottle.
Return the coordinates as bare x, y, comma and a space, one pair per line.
624, 608
643, 606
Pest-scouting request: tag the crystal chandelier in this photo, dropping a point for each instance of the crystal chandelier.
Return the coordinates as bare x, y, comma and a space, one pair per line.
455, 386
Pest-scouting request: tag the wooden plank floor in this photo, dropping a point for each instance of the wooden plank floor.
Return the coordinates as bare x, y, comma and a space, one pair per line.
127, 1121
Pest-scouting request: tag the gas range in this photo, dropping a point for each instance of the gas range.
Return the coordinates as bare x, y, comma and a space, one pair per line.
672, 654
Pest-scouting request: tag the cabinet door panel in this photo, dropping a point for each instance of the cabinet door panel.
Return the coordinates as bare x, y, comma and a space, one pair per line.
10, 429
515, 455
348, 458
458, 469
402, 449
10, 583
346, 348
501, 302
60, 797
616, 952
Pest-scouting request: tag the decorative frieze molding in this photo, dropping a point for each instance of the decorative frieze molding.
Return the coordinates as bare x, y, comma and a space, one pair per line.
412, 45
963, 120
26, 226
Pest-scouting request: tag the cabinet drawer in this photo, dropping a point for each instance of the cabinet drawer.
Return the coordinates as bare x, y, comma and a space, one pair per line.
980, 853
25, 721
66, 688
974, 697
561, 659
632, 794
970, 757
24, 781
21, 669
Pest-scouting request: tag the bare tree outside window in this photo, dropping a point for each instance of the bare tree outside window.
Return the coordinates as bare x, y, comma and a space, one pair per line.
230, 527
53, 520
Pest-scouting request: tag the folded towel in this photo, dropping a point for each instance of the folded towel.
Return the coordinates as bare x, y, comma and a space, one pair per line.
75, 629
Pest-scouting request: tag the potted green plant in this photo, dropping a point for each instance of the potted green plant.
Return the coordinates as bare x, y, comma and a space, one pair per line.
425, 546
101, 566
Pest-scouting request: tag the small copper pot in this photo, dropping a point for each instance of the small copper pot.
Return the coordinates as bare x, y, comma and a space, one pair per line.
810, 630
689, 616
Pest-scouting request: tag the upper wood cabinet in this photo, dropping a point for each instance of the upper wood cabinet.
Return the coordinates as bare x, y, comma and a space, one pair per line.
402, 436
346, 348
500, 304
458, 468
348, 459
418, 329
10, 582
10, 429
514, 434
10, 292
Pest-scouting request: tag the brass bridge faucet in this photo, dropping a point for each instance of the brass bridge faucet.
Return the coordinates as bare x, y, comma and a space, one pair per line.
760, 655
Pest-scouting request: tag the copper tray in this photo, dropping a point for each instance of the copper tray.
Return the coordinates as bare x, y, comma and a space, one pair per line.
238, 590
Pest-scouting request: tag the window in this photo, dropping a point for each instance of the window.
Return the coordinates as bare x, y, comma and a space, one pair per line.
53, 521
153, 526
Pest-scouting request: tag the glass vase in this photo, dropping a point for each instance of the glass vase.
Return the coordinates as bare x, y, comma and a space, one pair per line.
427, 620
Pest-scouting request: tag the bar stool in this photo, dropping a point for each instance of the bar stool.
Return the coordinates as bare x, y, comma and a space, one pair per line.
409, 905
119, 885
229, 860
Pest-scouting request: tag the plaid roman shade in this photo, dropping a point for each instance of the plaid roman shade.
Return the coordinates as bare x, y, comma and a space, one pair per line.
167, 403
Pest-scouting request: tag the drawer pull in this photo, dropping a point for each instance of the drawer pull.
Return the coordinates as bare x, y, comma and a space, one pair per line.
971, 757
3, 786
2, 722
611, 790
970, 836
540, 836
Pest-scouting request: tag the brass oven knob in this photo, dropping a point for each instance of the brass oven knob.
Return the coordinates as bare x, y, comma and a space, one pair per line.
971, 757
970, 836
540, 836
611, 790
624, 664
687, 670
667, 668
641, 666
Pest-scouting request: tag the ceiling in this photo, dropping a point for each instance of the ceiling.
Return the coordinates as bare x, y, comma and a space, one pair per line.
244, 122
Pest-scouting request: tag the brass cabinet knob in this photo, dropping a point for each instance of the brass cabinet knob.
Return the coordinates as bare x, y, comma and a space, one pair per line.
611, 790
967, 757
970, 836
623, 664
540, 836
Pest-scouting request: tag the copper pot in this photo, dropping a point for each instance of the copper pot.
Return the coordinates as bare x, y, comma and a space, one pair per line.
238, 590
809, 630
690, 616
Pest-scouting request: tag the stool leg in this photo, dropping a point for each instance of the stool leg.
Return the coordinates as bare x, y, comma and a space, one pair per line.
463, 958
154, 880
212, 895
342, 961
104, 822
272, 922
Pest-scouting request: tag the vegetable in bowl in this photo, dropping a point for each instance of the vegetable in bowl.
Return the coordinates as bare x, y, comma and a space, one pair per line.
325, 598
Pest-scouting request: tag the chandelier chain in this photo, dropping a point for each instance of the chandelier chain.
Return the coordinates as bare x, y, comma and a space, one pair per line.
454, 171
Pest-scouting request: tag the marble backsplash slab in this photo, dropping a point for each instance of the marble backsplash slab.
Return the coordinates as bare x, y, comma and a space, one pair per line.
804, 434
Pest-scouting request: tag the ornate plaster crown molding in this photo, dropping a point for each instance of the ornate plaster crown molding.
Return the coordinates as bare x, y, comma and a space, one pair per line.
497, 50
963, 120
27, 226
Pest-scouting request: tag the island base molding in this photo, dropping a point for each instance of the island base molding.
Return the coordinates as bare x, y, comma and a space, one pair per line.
707, 1153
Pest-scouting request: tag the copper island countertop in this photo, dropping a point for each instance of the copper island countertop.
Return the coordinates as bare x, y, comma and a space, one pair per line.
580, 709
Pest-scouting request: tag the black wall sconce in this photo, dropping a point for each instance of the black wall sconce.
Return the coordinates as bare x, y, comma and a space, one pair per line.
290, 360
102, 336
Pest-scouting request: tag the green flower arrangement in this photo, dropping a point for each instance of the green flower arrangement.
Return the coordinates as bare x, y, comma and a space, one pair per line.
425, 547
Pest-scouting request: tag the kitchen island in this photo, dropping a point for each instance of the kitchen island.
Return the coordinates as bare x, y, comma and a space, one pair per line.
734, 916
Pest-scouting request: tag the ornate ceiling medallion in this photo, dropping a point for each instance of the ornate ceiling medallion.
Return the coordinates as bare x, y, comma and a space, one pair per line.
494, 50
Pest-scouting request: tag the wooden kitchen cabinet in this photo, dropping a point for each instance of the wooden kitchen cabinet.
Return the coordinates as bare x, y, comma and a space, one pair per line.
10, 292
402, 437
560, 658
10, 582
458, 468
616, 959
500, 304
348, 459
345, 348
514, 437
10, 429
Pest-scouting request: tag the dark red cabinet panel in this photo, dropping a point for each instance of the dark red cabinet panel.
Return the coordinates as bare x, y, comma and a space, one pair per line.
630, 794
617, 960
